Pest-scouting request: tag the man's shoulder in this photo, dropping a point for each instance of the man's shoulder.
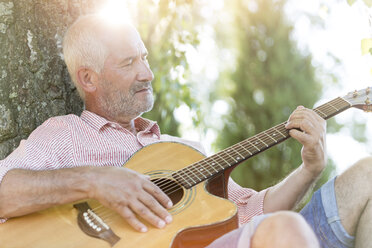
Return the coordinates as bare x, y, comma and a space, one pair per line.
62, 123
53, 130
62, 120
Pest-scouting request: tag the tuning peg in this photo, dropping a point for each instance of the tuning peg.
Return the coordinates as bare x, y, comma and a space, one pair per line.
355, 94
367, 101
367, 108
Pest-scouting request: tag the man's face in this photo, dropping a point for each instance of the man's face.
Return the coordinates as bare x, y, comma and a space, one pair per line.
125, 84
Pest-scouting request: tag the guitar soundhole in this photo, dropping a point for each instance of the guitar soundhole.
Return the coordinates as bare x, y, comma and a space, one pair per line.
171, 188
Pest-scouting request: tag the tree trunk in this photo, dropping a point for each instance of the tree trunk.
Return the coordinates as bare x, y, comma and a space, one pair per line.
34, 81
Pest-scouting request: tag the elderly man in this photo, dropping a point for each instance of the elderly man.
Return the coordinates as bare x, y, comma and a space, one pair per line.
69, 158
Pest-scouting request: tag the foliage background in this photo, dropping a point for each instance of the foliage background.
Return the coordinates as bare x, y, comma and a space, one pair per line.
260, 74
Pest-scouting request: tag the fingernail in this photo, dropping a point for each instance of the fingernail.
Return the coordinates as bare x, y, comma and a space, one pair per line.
161, 224
143, 229
169, 204
168, 219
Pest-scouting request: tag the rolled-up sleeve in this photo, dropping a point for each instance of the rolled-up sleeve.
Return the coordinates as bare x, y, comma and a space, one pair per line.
250, 203
14, 160
3, 171
40, 150
10, 163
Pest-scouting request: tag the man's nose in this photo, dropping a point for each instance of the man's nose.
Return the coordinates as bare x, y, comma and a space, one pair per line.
145, 74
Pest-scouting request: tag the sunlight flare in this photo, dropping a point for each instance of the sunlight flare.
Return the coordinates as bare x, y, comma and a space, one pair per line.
116, 12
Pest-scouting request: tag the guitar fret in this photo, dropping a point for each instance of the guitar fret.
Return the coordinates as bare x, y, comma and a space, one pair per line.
253, 145
195, 168
190, 170
203, 169
271, 137
261, 141
333, 107
227, 152
187, 174
244, 148
211, 165
280, 132
182, 179
183, 171
320, 112
239, 155
222, 159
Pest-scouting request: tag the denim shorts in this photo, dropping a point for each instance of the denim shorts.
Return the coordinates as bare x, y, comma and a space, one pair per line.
322, 215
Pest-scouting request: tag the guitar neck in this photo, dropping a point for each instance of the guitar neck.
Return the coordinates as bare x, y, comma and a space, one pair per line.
233, 155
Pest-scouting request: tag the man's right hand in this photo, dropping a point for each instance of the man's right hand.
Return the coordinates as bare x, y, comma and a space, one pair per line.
129, 193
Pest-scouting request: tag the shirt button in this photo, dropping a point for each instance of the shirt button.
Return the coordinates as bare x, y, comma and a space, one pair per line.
154, 135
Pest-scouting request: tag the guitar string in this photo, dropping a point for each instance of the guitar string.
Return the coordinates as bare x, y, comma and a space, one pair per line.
231, 148
197, 171
264, 139
225, 156
241, 151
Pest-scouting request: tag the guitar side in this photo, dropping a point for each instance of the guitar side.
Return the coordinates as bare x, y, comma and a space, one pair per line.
198, 217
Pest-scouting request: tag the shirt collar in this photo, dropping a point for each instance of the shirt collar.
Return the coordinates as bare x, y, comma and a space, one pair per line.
97, 122
93, 120
146, 125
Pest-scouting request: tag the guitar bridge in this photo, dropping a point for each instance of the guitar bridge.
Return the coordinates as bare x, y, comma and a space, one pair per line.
91, 224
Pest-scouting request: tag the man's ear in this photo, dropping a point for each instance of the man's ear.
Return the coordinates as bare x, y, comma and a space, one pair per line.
87, 78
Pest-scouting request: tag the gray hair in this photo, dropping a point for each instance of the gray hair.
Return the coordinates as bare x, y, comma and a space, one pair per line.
82, 47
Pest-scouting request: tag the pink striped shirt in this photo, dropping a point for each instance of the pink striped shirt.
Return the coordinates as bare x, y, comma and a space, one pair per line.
71, 141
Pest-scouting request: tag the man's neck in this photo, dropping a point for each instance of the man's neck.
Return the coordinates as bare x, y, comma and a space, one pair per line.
125, 122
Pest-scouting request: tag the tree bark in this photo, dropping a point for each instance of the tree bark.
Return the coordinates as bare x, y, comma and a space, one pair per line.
34, 81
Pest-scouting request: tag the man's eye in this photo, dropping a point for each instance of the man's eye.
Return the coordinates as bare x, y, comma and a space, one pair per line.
144, 58
129, 62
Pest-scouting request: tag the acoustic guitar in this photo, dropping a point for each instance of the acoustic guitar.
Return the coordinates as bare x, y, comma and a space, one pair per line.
196, 185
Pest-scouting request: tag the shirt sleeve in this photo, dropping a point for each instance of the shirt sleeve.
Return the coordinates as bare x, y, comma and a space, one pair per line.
48, 147
249, 202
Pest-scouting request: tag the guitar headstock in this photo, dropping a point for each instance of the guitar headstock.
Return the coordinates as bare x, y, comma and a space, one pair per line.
361, 99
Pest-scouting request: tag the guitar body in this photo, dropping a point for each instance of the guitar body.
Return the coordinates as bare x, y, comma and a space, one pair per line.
198, 216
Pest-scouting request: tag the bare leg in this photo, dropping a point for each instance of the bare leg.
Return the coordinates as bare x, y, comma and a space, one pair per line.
284, 230
364, 229
353, 190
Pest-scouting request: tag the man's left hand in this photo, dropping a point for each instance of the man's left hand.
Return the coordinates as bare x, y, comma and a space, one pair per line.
309, 129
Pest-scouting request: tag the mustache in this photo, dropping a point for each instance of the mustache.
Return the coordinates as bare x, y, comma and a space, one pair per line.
141, 86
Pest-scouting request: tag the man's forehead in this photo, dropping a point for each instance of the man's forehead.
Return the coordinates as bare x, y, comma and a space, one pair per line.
130, 52
124, 40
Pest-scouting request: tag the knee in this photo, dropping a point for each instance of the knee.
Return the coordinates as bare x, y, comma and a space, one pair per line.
364, 166
284, 229
359, 172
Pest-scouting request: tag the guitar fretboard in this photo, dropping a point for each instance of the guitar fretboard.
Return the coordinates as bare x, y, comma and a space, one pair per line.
210, 166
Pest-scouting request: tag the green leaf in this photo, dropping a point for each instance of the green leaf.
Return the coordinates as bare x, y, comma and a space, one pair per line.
368, 2
351, 2
366, 45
